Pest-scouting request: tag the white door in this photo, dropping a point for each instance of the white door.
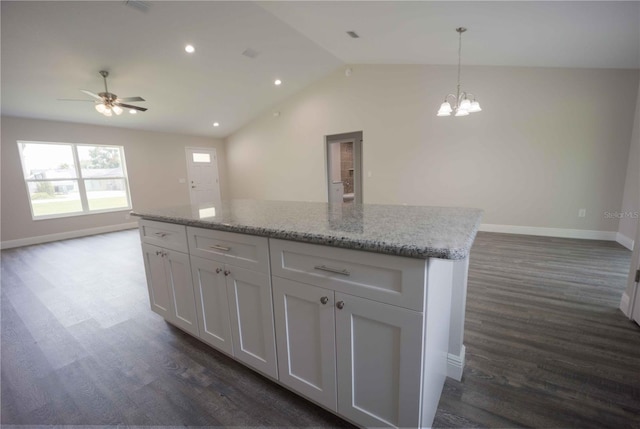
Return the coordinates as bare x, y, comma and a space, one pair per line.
379, 361
305, 334
212, 304
159, 289
178, 275
202, 169
251, 310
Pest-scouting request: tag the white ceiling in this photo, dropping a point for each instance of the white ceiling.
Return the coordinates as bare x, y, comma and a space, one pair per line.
50, 50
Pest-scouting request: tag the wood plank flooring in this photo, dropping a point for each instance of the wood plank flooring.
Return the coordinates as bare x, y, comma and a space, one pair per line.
546, 344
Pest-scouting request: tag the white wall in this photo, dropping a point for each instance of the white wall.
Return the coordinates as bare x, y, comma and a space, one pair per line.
549, 142
155, 162
631, 196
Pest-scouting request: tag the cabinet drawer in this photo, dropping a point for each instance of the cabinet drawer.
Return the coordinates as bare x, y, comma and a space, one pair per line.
384, 278
167, 235
241, 250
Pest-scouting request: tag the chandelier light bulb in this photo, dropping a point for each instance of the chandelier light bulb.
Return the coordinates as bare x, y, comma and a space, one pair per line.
475, 107
465, 104
445, 109
107, 112
461, 112
117, 110
100, 107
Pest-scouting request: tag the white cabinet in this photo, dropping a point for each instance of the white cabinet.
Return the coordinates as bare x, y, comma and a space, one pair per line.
363, 334
305, 334
251, 313
234, 304
379, 358
212, 303
170, 287
355, 356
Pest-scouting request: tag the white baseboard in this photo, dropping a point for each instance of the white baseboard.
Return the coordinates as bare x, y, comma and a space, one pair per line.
455, 364
550, 232
9, 244
624, 304
625, 241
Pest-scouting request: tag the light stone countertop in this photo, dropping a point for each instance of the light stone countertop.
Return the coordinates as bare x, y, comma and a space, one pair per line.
412, 231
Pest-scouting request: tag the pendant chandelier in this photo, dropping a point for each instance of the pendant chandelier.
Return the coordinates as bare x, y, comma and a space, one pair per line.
463, 102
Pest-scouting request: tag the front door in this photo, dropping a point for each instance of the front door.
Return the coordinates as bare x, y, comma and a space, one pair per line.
202, 169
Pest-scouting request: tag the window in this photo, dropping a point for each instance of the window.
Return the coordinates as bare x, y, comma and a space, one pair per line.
65, 179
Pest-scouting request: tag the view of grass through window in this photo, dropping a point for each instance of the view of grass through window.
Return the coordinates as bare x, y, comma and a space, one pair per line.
64, 178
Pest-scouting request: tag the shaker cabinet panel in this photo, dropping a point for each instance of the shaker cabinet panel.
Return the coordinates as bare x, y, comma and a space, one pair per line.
251, 311
379, 360
179, 275
159, 292
212, 303
305, 334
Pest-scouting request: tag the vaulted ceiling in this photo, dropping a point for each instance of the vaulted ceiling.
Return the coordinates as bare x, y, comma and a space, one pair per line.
51, 49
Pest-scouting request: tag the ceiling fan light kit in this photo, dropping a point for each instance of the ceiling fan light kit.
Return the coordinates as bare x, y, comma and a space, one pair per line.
109, 103
463, 103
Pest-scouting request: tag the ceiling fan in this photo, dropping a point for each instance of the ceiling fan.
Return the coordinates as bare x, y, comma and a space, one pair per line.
109, 103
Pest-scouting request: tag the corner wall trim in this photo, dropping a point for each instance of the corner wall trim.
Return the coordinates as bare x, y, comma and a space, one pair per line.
550, 232
625, 241
9, 244
625, 302
455, 364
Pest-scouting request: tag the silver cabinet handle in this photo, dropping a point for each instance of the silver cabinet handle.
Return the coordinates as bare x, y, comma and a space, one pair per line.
218, 270
340, 305
324, 300
342, 272
218, 247
158, 253
161, 234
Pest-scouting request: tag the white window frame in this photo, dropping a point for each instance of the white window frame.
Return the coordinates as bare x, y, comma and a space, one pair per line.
79, 178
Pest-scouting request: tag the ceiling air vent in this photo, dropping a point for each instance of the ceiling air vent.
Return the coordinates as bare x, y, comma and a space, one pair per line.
141, 5
353, 34
250, 53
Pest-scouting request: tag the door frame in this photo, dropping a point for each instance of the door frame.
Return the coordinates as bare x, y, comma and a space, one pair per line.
214, 152
355, 137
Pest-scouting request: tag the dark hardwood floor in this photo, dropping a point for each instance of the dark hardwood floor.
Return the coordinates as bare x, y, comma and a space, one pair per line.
546, 345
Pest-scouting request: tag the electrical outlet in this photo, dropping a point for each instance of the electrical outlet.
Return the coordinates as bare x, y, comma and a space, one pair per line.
582, 213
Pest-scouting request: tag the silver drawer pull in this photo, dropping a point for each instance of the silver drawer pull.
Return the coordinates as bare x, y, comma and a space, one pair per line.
161, 234
218, 247
343, 272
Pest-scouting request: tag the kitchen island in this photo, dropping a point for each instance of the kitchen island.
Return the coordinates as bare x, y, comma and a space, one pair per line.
359, 308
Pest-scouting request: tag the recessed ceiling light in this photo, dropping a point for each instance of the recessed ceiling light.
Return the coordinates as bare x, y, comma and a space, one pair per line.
133, 111
190, 49
277, 82
215, 124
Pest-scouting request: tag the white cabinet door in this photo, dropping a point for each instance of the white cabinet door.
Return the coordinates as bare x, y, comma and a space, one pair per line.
379, 362
251, 311
159, 288
305, 334
212, 305
178, 274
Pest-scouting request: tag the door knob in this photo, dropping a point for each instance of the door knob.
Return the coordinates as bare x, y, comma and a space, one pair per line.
324, 300
340, 305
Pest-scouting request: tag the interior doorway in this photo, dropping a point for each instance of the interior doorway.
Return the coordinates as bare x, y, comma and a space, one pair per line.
202, 172
344, 167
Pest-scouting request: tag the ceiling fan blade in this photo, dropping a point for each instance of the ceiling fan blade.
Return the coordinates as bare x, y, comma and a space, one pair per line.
128, 99
91, 94
129, 106
73, 99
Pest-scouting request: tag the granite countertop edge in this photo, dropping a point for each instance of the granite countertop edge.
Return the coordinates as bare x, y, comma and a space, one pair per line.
411, 251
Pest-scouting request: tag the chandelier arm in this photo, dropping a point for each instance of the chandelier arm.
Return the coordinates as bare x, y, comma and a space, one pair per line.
459, 62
